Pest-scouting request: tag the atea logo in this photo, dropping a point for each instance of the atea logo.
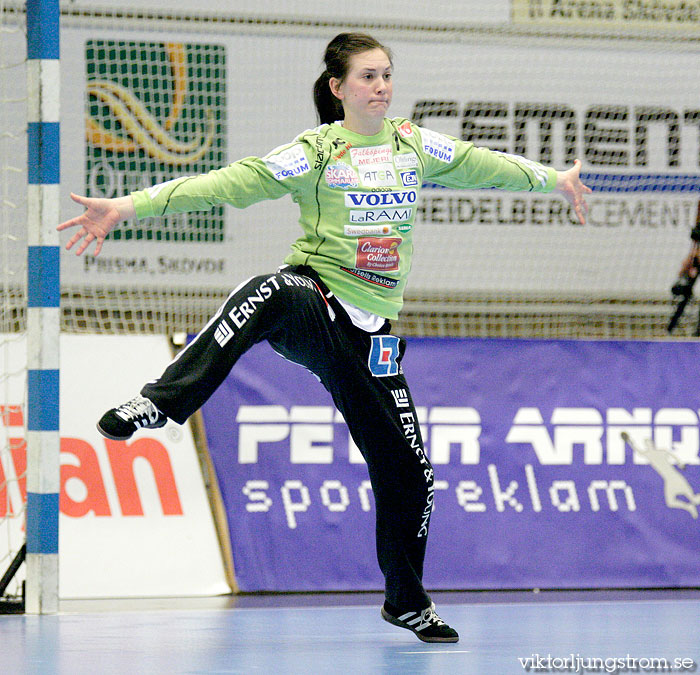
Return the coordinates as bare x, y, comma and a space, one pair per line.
357, 199
383, 356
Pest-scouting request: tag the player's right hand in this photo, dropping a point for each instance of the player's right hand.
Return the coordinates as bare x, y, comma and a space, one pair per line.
99, 219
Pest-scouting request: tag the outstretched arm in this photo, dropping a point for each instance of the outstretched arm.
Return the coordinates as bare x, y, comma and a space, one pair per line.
470, 167
569, 185
99, 219
689, 264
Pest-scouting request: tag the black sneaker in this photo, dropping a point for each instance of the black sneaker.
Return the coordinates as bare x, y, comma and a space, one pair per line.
426, 624
120, 423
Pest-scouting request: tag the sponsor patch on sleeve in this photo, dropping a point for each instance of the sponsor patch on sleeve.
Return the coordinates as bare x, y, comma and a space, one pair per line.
406, 130
438, 146
288, 162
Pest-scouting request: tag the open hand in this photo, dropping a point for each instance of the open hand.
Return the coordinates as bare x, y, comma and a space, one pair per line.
99, 219
569, 185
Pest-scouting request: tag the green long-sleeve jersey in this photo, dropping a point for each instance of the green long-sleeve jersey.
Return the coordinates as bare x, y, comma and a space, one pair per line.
357, 197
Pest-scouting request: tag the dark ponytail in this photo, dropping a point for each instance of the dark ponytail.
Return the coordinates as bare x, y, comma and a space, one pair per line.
337, 60
328, 107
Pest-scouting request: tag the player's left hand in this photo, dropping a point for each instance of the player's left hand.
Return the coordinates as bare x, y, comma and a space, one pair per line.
569, 185
689, 265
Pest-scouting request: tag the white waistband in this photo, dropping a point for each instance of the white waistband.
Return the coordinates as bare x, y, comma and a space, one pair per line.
362, 318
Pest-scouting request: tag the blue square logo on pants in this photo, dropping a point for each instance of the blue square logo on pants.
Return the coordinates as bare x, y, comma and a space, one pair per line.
383, 356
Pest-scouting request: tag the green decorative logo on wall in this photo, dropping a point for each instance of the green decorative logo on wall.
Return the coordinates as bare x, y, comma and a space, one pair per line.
155, 111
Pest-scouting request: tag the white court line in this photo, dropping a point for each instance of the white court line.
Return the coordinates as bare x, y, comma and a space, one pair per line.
432, 651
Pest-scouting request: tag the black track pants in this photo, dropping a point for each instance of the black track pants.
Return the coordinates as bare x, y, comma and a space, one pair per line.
302, 321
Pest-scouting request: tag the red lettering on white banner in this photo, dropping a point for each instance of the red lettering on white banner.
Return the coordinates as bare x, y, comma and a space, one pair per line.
79, 462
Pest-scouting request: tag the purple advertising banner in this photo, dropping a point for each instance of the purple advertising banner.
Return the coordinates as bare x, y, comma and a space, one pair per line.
536, 486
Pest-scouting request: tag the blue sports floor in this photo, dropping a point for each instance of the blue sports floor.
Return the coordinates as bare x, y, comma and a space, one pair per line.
314, 634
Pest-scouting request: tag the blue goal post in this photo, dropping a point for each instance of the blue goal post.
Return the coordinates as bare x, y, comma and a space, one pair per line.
43, 303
